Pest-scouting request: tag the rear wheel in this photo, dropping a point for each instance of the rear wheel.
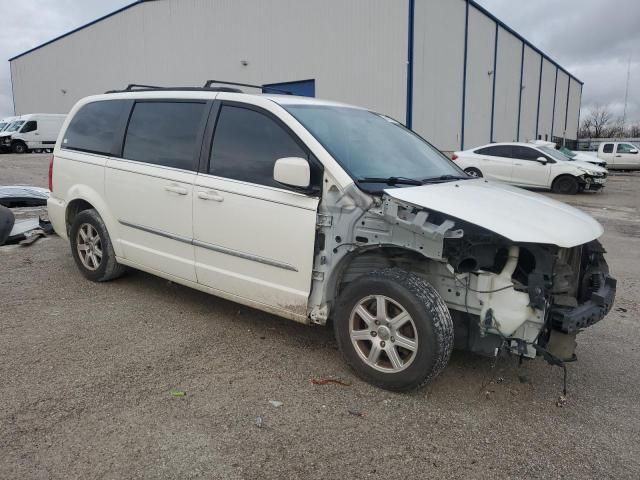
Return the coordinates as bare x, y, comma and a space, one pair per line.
393, 329
92, 248
566, 184
473, 172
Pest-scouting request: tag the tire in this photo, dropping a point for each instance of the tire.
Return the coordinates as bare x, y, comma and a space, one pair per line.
19, 147
566, 185
88, 225
428, 329
473, 172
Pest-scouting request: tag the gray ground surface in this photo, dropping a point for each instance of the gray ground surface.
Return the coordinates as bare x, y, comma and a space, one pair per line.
86, 372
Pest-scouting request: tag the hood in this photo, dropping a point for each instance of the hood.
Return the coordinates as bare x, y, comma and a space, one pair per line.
516, 214
591, 166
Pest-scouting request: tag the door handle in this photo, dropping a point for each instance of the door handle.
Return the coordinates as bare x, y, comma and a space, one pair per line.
176, 189
618, 156
210, 195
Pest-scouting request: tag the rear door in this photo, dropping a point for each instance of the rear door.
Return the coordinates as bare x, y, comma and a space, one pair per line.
527, 170
149, 189
495, 162
627, 156
254, 238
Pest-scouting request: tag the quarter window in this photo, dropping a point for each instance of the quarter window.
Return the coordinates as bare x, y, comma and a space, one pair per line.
496, 151
164, 133
93, 127
30, 126
608, 148
246, 145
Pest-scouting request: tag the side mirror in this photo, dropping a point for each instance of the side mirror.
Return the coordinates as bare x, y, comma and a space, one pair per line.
542, 160
292, 171
634, 151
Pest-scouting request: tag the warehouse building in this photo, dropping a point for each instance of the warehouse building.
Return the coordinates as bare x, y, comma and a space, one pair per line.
447, 68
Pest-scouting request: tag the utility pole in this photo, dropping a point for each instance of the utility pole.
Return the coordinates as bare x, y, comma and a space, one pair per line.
626, 96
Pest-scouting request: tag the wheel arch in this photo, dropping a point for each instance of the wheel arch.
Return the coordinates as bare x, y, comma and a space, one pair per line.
365, 260
82, 197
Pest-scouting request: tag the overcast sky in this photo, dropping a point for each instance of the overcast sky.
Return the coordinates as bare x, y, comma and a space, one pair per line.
593, 39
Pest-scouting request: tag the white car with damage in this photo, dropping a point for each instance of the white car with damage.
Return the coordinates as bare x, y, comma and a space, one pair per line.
318, 211
531, 166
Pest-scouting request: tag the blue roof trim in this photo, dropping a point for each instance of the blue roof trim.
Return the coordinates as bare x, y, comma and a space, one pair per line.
527, 42
126, 7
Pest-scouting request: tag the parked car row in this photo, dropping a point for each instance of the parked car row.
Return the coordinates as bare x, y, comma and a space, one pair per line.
30, 133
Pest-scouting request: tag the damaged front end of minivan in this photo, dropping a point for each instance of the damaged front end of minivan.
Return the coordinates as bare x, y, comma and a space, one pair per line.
504, 291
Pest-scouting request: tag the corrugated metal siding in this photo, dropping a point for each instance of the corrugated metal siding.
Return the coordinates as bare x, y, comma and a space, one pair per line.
480, 55
507, 87
355, 50
530, 83
546, 100
438, 71
575, 93
561, 104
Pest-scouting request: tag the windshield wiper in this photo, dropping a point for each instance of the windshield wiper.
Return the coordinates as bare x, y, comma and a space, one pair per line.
391, 181
444, 178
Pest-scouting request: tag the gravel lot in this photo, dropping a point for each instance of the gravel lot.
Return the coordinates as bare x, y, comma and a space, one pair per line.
87, 372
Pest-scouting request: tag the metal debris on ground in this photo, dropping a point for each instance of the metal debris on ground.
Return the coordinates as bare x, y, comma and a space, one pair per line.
356, 413
23, 196
276, 403
259, 422
327, 381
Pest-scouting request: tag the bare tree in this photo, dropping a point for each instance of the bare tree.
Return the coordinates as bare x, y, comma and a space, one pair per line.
634, 130
598, 123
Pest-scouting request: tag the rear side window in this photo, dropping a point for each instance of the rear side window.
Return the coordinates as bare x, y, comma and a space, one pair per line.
246, 145
30, 126
94, 126
164, 133
608, 148
496, 151
526, 153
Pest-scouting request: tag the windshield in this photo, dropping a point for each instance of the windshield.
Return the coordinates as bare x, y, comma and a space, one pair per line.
2, 125
555, 154
372, 146
567, 152
14, 126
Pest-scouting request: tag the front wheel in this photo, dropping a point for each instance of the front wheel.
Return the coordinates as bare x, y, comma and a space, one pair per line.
393, 329
473, 172
566, 185
19, 147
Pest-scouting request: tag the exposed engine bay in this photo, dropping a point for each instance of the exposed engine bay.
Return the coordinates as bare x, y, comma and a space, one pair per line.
529, 298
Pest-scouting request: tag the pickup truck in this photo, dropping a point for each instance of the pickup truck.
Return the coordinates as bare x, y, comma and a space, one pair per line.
620, 155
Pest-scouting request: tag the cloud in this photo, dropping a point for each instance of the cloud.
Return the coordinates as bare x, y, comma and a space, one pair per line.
29, 23
593, 39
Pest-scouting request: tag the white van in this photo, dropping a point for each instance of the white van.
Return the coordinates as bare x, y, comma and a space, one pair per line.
36, 131
314, 210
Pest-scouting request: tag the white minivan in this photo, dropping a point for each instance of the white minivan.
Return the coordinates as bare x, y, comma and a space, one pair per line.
318, 211
36, 131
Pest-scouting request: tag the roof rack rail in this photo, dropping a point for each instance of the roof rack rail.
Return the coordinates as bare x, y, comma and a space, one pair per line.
261, 87
145, 88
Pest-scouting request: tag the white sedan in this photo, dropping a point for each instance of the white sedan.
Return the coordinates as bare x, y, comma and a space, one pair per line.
531, 166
